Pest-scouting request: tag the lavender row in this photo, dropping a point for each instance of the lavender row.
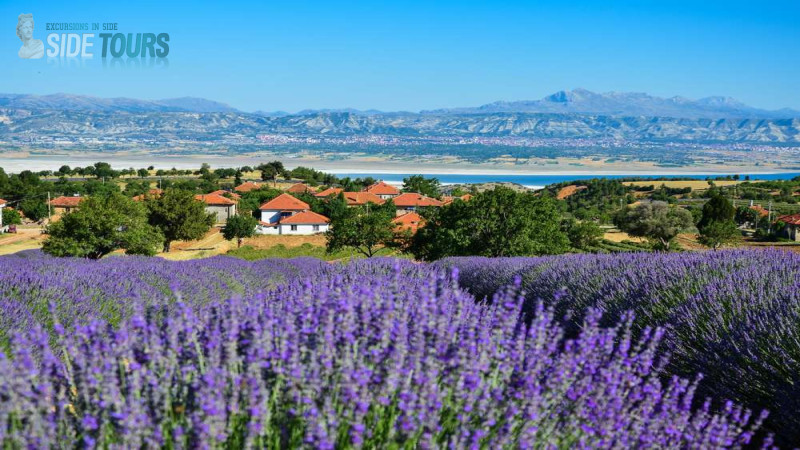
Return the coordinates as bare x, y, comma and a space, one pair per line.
731, 315
373, 355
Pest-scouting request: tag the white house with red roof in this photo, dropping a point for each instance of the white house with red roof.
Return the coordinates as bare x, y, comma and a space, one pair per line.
286, 214
791, 227
383, 190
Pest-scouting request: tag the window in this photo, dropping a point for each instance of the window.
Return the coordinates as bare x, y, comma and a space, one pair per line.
316, 227
293, 227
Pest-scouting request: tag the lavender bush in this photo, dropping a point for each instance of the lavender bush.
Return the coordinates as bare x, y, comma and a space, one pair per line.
279, 354
731, 315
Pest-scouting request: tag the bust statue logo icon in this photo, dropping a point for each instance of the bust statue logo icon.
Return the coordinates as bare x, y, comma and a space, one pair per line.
31, 48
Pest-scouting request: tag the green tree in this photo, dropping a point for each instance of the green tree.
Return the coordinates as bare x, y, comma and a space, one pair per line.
143, 173
104, 170
719, 233
11, 217
239, 227
367, 232
716, 209
178, 216
656, 221
271, 170
34, 209
498, 222
102, 225
425, 186
64, 170
583, 235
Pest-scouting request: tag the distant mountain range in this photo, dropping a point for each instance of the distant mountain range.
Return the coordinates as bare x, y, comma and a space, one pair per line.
578, 101
628, 104
68, 102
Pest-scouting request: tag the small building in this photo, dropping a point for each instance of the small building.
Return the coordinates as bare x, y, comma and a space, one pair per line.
2, 205
65, 204
248, 186
447, 199
382, 190
410, 221
229, 194
299, 188
411, 201
330, 192
223, 208
302, 223
281, 206
362, 198
791, 229
151, 193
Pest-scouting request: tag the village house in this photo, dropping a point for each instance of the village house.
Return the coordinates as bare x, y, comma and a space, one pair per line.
447, 199
2, 205
224, 193
409, 221
299, 188
65, 204
247, 186
288, 215
362, 198
223, 208
383, 190
791, 229
411, 201
151, 193
330, 192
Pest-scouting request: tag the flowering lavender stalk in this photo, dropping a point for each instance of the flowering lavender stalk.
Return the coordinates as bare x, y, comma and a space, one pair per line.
359, 356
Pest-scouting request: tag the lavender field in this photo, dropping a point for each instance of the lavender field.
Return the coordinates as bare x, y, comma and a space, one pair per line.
581, 351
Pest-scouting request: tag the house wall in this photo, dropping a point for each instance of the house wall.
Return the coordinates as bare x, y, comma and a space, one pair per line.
303, 229
270, 215
260, 229
221, 213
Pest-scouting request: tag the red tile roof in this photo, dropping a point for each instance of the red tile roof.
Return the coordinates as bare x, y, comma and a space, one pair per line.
410, 221
299, 188
223, 192
2, 202
285, 202
793, 219
151, 192
381, 188
329, 192
65, 202
247, 186
413, 199
760, 210
362, 198
305, 218
215, 200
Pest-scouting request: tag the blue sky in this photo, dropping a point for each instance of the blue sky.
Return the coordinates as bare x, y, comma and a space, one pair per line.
411, 55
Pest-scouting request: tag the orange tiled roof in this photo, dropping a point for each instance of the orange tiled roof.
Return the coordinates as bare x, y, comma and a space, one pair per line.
329, 192
413, 199
151, 192
411, 221
793, 219
65, 202
362, 198
223, 192
285, 202
247, 186
2, 202
305, 218
381, 188
299, 188
760, 210
215, 199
